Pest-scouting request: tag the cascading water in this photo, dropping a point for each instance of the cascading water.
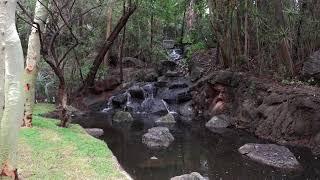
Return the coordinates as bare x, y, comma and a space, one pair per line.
109, 105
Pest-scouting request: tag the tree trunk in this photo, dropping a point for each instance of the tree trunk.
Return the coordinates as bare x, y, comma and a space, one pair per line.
246, 34
33, 57
107, 44
123, 39
63, 98
11, 90
109, 28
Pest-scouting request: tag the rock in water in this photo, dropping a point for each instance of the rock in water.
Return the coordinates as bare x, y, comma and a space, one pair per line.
158, 138
166, 120
271, 155
218, 122
192, 176
136, 92
95, 132
122, 116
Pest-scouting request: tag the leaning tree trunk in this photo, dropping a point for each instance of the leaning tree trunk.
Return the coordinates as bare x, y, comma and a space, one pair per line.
33, 57
11, 65
89, 81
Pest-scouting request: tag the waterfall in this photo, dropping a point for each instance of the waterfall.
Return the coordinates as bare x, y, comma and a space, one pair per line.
167, 107
109, 105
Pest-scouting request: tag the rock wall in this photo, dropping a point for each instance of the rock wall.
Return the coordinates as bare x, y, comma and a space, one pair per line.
284, 114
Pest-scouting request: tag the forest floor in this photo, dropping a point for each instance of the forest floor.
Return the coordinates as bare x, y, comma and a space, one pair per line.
47, 151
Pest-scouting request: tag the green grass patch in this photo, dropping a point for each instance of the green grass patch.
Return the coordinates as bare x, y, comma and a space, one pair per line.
47, 151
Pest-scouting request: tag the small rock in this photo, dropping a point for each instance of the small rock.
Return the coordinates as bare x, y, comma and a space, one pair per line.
95, 132
218, 122
158, 138
271, 155
192, 176
166, 120
122, 116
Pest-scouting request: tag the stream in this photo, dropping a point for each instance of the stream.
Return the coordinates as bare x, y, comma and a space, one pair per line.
212, 155
194, 149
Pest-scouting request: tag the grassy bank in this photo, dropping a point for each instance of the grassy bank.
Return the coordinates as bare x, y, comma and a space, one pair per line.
49, 152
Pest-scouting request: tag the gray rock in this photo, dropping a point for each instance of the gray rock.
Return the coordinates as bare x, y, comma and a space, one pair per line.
218, 122
196, 73
154, 106
95, 132
119, 100
311, 67
122, 116
271, 155
172, 74
186, 112
158, 138
136, 92
166, 120
192, 176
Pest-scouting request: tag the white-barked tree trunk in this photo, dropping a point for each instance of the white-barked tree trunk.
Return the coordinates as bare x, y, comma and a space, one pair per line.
11, 97
33, 57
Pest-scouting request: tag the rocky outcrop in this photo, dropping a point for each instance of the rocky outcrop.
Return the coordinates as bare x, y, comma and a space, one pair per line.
122, 116
158, 138
192, 176
284, 114
271, 155
311, 67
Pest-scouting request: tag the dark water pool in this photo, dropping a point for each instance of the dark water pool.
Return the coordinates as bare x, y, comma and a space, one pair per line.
212, 155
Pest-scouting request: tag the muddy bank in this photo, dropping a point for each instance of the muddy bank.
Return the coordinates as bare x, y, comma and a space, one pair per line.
288, 115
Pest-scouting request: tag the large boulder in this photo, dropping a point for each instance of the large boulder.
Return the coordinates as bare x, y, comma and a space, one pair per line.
192, 176
136, 92
311, 67
166, 120
158, 138
119, 100
122, 116
154, 106
271, 155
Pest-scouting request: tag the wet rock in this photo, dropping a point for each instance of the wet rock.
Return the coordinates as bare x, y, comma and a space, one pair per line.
119, 100
162, 82
192, 176
271, 155
166, 120
95, 132
136, 92
166, 65
176, 96
172, 74
151, 77
150, 90
154, 106
158, 138
178, 85
122, 116
311, 67
218, 124
186, 112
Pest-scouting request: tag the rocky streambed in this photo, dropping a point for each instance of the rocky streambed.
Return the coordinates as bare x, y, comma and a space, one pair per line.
171, 126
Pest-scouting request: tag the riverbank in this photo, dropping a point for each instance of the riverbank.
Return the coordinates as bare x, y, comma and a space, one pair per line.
49, 152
